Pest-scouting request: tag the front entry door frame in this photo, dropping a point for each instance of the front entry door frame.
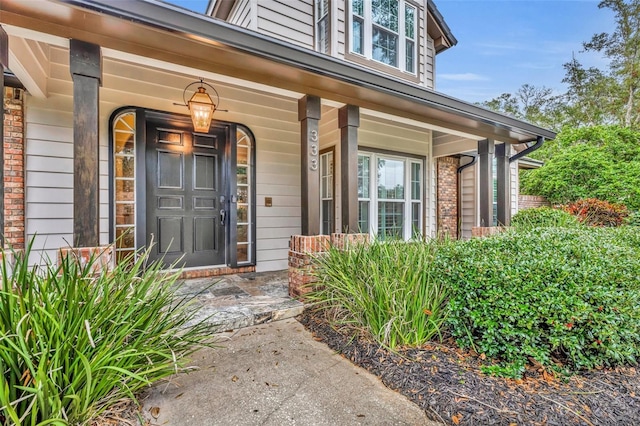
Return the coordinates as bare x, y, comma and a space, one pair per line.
228, 176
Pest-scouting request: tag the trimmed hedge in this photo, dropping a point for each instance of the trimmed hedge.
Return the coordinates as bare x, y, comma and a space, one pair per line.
553, 294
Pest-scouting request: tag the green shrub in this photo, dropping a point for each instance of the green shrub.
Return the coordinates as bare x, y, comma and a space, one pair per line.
592, 162
552, 294
71, 344
633, 219
388, 288
544, 217
594, 212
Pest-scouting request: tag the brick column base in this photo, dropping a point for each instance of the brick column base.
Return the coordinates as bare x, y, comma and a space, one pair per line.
104, 257
303, 249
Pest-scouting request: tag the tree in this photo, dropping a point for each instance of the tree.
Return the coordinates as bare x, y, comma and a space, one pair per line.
537, 105
593, 97
622, 47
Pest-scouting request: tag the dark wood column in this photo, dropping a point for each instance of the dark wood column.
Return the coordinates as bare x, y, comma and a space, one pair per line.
349, 121
503, 176
486, 150
86, 71
4, 64
309, 115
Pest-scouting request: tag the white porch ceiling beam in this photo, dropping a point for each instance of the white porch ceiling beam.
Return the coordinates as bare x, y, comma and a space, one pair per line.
29, 64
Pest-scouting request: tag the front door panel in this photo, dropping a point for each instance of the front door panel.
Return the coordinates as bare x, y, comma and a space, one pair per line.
186, 194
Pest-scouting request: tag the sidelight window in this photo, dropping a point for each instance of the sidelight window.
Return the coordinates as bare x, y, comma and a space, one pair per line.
244, 179
124, 143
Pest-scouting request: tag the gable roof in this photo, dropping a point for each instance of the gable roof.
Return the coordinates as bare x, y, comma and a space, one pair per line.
166, 32
438, 29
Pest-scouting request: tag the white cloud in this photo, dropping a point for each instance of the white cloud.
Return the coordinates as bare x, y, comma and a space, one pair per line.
468, 76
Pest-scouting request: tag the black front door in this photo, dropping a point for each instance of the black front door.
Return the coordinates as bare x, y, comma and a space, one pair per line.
186, 193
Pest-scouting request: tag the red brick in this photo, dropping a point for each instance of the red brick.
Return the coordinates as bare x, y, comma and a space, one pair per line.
14, 167
447, 196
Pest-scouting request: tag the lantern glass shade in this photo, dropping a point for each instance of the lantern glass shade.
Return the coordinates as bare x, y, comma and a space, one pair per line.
202, 108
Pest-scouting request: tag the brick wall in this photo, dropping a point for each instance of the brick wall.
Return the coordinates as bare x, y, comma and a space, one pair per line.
532, 201
447, 198
14, 167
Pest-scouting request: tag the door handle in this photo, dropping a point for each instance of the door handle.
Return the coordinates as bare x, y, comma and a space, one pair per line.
223, 217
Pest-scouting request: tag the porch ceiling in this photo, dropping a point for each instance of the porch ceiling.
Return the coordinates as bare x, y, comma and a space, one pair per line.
157, 30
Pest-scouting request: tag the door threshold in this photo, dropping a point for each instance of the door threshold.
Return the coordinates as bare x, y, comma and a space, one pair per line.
211, 271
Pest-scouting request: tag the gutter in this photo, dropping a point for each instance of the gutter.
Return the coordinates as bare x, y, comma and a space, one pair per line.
538, 144
10, 80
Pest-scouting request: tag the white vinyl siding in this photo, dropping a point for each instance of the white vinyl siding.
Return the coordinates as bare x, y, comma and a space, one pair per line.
339, 32
288, 20
48, 175
241, 14
515, 185
469, 200
429, 66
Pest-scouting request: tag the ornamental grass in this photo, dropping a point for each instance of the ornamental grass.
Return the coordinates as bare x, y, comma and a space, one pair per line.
389, 289
72, 343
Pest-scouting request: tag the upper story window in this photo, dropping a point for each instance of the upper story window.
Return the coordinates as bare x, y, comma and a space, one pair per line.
323, 25
385, 31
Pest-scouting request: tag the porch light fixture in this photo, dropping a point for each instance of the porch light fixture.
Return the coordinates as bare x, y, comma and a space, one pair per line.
201, 105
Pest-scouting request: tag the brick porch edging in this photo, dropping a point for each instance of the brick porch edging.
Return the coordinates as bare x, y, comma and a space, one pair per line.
303, 249
103, 257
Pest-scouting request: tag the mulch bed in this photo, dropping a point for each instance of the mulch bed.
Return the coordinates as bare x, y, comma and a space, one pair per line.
448, 385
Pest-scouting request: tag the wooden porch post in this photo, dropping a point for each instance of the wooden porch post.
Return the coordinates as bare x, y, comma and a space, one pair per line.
86, 71
503, 176
349, 121
4, 64
486, 149
309, 115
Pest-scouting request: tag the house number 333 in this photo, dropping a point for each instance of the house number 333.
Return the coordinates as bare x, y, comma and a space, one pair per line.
313, 150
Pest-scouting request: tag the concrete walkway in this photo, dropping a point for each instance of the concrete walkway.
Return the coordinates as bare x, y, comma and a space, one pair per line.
276, 374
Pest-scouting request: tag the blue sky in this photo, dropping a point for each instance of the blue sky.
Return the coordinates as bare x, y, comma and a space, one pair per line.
506, 43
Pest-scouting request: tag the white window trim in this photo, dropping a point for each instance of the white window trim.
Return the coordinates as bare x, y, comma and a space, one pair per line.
368, 35
408, 231
317, 20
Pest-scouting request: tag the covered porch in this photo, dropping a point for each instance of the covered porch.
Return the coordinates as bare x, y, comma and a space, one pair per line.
86, 63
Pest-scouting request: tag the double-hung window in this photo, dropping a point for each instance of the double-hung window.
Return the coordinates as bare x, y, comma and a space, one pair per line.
390, 195
385, 31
